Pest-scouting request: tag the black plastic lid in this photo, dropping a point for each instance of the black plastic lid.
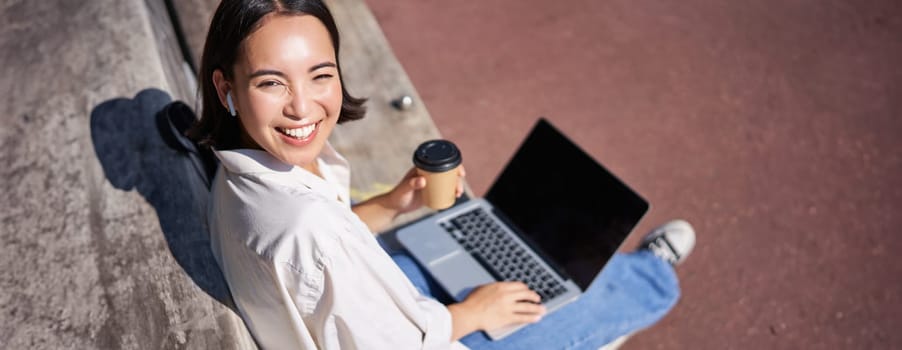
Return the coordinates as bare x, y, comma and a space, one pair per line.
437, 156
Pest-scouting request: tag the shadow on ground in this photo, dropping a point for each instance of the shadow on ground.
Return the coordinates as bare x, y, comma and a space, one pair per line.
133, 155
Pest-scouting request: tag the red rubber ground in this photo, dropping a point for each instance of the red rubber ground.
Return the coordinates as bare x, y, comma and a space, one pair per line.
772, 126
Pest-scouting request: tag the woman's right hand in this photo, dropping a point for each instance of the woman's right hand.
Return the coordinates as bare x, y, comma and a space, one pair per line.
495, 306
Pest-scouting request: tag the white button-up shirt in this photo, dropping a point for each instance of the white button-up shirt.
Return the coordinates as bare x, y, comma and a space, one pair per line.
304, 270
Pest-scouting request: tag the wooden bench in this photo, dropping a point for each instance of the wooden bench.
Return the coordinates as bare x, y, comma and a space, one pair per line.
102, 247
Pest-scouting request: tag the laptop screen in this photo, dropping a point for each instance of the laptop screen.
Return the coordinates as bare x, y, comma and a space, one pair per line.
567, 205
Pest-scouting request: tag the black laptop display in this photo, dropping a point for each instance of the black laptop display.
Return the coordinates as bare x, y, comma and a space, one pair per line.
573, 209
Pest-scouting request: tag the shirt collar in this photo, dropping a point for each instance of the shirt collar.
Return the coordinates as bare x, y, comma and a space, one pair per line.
252, 161
258, 162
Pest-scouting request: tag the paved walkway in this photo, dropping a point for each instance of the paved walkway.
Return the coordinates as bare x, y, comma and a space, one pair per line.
773, 126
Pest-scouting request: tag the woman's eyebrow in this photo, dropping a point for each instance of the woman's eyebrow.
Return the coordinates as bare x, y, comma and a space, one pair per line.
263, 72
266, 72
321, 65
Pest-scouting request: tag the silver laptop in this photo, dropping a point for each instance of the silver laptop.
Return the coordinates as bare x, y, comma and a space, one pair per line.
552, 219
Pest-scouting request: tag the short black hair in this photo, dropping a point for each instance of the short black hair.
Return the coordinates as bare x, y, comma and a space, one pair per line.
234, 21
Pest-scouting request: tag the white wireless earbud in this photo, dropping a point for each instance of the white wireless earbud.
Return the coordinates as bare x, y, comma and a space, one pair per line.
230, 103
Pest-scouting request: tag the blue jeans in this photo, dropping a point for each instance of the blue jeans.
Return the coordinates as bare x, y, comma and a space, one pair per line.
633, 292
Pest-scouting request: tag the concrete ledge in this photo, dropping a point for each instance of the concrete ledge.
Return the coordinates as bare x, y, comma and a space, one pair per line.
88, 223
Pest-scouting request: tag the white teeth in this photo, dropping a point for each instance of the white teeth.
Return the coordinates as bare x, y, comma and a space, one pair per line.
299, 133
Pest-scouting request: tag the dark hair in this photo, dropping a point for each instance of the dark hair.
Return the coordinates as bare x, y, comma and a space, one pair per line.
233, 21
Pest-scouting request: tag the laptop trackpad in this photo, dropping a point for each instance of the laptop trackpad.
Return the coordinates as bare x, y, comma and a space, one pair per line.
459, 273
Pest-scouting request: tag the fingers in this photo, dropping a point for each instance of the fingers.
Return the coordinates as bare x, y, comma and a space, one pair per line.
516, 291
526, 295
523, 308
501, 304
524, 318
522, 311
460, 184
417, 182
413, 180
513, 286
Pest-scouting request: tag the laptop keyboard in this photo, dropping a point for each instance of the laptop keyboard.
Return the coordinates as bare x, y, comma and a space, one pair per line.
500, 254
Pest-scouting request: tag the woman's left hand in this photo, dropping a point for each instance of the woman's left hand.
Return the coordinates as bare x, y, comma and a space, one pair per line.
405, 197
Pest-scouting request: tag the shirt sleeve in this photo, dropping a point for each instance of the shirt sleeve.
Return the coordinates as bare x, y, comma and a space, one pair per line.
438, 329
373, 308
365, 301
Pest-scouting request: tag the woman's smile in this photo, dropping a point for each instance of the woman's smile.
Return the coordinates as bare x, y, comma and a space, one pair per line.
298, 136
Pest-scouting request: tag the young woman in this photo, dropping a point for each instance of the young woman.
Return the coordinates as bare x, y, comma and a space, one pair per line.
302, 263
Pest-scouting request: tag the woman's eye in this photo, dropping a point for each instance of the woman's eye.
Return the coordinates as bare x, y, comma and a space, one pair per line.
269, 83
322, 76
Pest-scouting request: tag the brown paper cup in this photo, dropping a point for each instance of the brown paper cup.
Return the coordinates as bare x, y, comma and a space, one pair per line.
440, 189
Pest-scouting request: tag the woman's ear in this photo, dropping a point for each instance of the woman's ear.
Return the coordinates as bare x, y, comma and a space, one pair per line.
223, 87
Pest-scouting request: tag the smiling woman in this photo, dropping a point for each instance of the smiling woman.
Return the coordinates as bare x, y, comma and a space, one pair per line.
285, 88
303, 266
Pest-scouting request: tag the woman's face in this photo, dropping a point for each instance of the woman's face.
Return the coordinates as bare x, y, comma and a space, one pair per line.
286, 88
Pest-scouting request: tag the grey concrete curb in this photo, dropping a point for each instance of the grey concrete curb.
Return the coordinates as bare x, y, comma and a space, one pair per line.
99, 249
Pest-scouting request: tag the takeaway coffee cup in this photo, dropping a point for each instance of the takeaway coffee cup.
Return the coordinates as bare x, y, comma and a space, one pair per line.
437, 161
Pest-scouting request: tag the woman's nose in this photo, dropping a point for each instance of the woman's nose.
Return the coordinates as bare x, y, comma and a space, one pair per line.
300, 104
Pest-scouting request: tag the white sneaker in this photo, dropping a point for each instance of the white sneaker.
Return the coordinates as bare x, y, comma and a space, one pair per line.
672, 241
